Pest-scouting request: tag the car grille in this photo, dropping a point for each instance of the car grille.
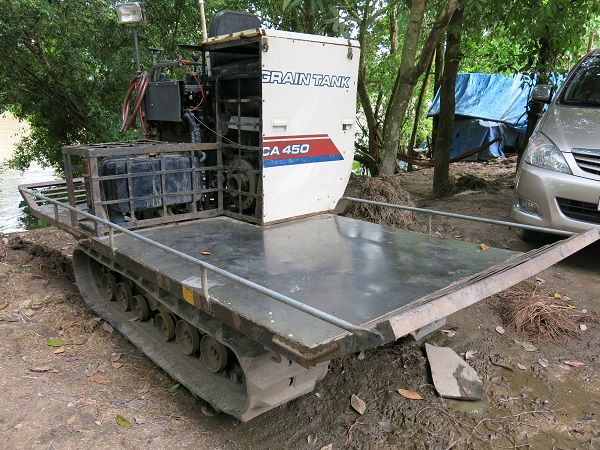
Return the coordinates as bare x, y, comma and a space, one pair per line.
588, 160
586, 212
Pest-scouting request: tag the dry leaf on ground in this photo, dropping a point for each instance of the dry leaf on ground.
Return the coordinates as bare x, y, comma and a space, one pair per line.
528, 346
99, 379
7, 318
45, 369
359, 405
574, 363
409, 394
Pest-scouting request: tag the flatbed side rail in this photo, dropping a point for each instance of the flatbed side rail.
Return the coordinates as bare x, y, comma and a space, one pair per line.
470, 290
57, 190
205, 268
432, 212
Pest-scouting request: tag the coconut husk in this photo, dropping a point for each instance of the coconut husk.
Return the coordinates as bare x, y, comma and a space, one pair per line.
537, 313
386, 189
468, 182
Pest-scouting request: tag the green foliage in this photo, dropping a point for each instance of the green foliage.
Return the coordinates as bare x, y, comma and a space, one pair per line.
66, 64
59, 75
544, 36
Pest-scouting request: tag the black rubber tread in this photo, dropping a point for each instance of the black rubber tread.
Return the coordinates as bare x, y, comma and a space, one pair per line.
267, 379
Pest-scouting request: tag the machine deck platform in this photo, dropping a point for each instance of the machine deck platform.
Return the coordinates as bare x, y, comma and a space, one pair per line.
355, 270
364, 273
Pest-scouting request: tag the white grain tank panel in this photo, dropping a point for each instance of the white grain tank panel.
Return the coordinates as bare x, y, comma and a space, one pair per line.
309, 108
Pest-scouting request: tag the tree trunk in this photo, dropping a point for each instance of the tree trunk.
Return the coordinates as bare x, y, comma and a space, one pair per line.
443, 143
413, 136
535, 111
295, 21
393, 15
367, 161
309, 17
402, 89
363, 93
437, 82
408, 75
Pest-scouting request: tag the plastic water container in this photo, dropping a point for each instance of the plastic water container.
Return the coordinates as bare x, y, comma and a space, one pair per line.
146, 181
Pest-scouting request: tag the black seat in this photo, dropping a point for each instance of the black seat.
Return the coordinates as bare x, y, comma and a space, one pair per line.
227, 22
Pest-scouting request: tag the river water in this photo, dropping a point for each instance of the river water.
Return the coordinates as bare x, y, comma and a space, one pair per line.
12, 217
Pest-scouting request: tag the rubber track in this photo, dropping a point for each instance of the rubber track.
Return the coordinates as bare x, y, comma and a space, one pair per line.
269, 380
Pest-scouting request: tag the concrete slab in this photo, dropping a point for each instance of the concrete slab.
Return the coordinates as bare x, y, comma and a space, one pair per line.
452, 377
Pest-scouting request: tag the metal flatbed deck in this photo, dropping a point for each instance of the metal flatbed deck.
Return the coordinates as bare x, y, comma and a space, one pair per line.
364, 273
355, 270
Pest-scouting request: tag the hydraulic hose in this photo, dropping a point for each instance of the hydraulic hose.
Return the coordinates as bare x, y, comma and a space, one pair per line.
138, 83
195, 131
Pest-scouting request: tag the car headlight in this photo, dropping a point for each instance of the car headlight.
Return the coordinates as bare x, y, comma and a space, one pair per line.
541, 152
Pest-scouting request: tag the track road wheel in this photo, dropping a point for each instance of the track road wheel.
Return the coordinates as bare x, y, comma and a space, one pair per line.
213, 354
123, 296
139, 305
165, 324
108, 286
188, 337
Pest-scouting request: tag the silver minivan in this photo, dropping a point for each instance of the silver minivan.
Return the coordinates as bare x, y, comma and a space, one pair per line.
558, 179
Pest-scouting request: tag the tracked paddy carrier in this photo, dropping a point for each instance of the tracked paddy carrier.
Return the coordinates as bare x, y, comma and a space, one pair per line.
214, 248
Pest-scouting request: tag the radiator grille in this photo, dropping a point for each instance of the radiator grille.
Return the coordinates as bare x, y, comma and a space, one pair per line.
585, 212
588, 160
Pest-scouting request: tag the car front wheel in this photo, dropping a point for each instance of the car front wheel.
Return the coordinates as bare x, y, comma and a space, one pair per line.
530, 235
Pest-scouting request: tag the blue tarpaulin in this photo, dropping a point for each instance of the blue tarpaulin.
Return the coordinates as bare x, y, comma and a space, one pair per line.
488, 106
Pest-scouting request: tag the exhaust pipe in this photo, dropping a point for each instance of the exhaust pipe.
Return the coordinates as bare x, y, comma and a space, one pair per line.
204, 34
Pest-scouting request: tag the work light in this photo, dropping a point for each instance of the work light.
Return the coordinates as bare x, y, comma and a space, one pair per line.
131, 13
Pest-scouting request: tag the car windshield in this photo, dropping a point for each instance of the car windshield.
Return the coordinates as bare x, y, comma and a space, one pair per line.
583, 88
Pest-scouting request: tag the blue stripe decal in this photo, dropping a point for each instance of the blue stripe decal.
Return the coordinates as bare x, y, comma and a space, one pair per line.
303, 160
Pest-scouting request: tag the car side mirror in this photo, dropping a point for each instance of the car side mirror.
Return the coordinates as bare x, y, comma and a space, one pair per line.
542, 93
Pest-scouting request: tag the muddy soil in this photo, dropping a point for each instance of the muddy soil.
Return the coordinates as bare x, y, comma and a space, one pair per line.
71, 396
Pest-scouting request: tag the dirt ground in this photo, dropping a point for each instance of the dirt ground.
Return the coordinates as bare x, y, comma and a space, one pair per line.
74, 395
